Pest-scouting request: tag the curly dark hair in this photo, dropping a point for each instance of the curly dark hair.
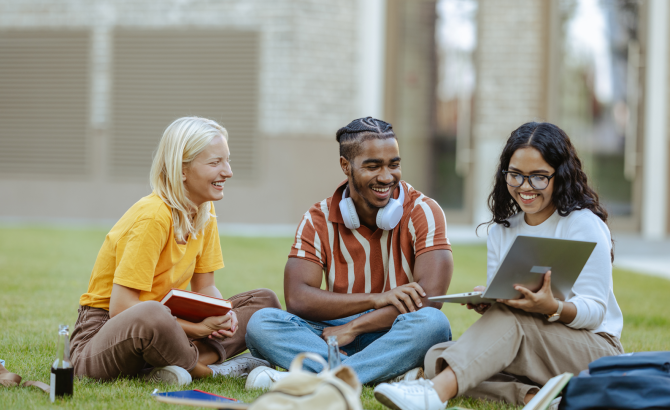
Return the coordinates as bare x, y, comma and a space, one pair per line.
571, 189
360, 130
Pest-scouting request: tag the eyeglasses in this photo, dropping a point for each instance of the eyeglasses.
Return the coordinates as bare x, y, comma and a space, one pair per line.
514, 179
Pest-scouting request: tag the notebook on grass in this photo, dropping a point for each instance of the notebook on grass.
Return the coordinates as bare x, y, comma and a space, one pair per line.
544, 397
193, 306
199, 398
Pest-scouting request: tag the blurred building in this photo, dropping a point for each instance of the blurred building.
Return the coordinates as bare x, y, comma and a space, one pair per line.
87, 88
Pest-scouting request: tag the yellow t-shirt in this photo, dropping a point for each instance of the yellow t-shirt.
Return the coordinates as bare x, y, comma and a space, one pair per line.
141, 252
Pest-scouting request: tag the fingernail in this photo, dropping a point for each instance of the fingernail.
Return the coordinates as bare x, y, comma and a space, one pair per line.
420, 304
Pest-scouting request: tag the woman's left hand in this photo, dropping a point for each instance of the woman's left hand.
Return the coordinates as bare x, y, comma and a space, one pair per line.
541, 301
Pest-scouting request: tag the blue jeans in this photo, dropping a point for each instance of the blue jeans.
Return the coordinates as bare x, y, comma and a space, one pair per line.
278, 336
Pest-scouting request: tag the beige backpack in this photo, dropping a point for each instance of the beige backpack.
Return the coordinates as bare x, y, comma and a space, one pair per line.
332, 389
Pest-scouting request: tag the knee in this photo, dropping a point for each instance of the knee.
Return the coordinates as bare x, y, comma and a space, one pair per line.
153, 315
434, 323
269, 298
433, 316
258, 323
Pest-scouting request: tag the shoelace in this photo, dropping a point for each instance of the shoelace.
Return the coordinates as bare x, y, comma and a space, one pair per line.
426, 385
231, 367
420, 385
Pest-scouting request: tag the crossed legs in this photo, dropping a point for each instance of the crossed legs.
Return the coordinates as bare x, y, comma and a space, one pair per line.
508, 354
279, 336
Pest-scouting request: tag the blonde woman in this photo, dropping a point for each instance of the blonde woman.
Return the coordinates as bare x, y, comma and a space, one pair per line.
166, 240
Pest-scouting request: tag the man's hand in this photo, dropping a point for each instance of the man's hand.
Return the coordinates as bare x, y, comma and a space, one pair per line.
345, 334
482, 307
406, 298
541, 301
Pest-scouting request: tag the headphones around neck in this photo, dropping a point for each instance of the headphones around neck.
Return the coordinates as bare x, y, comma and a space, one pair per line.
387, 217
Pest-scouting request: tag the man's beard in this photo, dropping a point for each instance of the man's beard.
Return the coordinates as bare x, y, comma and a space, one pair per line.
359, 189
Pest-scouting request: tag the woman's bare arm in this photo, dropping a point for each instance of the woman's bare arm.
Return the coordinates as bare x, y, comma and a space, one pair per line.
122, 298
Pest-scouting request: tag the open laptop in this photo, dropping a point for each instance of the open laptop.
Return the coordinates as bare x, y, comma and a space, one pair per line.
525, 264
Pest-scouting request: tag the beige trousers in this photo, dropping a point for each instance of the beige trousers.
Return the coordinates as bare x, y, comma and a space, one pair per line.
147, 335
509, 353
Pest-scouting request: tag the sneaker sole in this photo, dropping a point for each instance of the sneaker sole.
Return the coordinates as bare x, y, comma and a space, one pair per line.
251, 378
381, 397
173, 375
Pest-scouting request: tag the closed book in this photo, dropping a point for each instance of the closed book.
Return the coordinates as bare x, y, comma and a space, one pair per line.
199, 398
193, 306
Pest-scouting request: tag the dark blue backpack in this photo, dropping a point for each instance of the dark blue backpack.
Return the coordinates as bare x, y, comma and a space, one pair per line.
633, 381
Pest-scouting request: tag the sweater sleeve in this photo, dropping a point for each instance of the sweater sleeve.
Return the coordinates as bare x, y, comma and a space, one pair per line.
593, 286
493, 252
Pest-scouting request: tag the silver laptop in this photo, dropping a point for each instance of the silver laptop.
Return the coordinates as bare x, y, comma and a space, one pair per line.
525, 264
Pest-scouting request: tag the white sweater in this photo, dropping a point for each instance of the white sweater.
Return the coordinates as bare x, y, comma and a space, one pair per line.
592, 293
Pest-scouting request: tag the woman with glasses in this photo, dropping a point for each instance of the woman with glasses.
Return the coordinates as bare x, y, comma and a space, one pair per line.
540, 189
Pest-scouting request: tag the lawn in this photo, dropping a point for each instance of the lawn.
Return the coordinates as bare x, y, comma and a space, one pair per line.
44, 271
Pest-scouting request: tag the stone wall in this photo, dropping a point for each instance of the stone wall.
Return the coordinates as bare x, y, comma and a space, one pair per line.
309, 86
309, 67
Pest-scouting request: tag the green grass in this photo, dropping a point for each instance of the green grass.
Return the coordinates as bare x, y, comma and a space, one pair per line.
44, 271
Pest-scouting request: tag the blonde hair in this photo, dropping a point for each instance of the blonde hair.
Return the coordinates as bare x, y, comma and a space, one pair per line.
182, 141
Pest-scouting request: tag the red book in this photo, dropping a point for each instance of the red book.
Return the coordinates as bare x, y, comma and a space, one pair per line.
193, 306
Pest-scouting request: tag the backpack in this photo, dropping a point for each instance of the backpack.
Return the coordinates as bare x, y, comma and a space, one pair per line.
633, 381
332, 389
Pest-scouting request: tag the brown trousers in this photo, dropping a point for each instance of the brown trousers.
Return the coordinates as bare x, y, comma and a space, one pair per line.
509, 353
147, 335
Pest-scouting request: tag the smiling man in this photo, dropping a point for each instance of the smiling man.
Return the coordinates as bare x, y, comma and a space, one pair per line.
382, 248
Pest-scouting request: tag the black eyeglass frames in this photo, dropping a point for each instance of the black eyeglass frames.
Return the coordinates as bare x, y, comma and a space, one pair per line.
515, 180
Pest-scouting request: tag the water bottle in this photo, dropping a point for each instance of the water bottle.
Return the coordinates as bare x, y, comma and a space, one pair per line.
62, 372
333, 353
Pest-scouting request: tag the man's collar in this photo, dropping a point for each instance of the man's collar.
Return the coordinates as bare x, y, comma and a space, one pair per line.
336, 217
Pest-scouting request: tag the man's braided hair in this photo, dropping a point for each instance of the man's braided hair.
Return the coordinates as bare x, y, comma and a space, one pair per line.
358, 131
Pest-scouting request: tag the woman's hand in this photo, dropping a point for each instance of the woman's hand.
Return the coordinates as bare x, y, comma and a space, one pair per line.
220, 327
541, 301
213, 327
482, 307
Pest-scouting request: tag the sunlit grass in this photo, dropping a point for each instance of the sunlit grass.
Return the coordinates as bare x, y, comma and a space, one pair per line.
43, 272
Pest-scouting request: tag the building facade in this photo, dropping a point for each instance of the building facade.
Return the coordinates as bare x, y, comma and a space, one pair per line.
87, 88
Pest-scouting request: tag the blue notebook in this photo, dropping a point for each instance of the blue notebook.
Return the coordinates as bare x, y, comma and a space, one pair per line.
199, 398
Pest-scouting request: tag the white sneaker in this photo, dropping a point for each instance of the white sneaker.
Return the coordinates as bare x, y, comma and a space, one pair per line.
414, 374
171, 375
263, 378
238, 366
409, 395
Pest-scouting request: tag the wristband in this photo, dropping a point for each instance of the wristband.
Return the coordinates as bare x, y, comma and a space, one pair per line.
557, 315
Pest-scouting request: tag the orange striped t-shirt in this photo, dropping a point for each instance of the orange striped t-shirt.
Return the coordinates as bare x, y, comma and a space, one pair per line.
365, 261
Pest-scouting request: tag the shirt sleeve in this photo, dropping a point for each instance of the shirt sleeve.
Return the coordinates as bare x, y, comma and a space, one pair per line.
428, 227
211, 258
593, 286
138, 254
493, 252
307, 244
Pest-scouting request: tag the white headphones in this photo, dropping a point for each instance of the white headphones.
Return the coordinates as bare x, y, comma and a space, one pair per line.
387, 217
